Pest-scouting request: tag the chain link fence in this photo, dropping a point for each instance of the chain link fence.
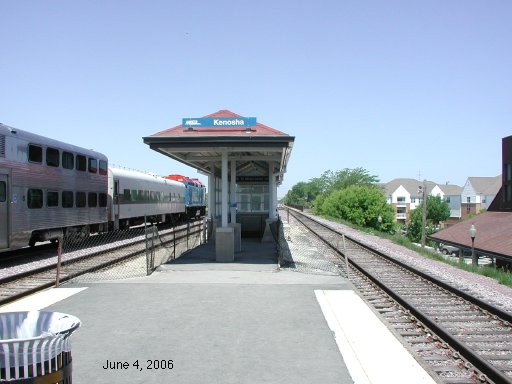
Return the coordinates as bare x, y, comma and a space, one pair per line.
120, 254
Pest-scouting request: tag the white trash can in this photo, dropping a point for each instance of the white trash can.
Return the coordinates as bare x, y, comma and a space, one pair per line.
35, 347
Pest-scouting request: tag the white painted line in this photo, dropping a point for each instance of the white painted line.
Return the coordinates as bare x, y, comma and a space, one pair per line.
40, 300
373, 355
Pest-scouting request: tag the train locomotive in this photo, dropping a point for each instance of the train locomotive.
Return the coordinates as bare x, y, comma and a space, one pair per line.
50, 189
195, 195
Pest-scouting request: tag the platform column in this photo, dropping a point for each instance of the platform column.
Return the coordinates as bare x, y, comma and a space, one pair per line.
232, 207
232, 192
211, 192
272, 192
274, 209
267, 235
224, 236
224, 181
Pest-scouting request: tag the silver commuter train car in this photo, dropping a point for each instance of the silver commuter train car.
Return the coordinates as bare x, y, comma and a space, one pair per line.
49, 189
138, 196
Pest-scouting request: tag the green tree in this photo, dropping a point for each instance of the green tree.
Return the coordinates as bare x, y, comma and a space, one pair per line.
347, 177
414, 226
437, 209
297, 195
361, 205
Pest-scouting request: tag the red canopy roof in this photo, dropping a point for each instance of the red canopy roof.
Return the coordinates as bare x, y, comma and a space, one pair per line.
258, 130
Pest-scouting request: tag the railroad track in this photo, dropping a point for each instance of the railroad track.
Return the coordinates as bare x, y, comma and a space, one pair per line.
80, 261
459, 338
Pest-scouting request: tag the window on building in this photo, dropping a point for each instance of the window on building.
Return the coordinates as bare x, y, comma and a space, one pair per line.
35, 198
52, 199
507, 195
52, 157
35, 153
468, 199
507, 171
68, 160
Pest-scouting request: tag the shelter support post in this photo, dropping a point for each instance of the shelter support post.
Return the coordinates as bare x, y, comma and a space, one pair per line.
211, 192
272, 204
225, 235
233, 208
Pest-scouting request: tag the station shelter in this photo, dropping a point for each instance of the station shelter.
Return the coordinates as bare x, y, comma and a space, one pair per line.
245, 162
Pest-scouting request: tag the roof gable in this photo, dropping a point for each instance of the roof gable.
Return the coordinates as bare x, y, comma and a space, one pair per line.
486, 185
258, 130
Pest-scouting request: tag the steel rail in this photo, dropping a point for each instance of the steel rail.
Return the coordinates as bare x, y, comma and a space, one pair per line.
479, 363
48, 275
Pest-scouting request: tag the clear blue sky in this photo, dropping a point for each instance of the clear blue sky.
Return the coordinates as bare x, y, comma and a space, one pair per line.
395, 87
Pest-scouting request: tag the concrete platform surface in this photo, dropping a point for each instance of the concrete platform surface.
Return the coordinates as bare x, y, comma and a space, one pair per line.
197, 321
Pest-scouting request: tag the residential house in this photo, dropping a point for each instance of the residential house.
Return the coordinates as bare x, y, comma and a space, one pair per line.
406, 195
452, 195
478, 193
493, 235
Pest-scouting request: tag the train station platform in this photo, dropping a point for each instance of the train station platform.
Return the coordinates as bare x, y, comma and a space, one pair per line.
251, 321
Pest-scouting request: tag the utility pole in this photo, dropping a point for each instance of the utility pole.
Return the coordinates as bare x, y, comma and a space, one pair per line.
424, 214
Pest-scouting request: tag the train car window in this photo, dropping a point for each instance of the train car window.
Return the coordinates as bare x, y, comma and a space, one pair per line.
103, 167
126, 196
92, 199
103, 199
81, 163
93, 165
52, 199
52, 157
133, 195
67, 199
35, 198
81, 200
68, 160
3, 191
35, 153
140, 195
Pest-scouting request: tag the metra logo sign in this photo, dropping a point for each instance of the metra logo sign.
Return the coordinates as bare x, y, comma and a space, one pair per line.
191, 122
219, 122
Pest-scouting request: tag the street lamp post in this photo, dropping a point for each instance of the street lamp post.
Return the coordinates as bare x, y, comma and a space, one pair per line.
474, 257
423, 190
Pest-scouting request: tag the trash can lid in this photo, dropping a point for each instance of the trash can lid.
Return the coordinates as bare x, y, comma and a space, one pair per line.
35, 325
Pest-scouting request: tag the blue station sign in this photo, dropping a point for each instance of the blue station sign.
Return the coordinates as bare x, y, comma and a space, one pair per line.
232, 122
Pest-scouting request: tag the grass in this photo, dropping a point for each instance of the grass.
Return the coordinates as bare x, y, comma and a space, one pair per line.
502, 277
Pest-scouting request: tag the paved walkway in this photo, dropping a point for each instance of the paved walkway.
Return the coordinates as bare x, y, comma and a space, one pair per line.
242, 322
